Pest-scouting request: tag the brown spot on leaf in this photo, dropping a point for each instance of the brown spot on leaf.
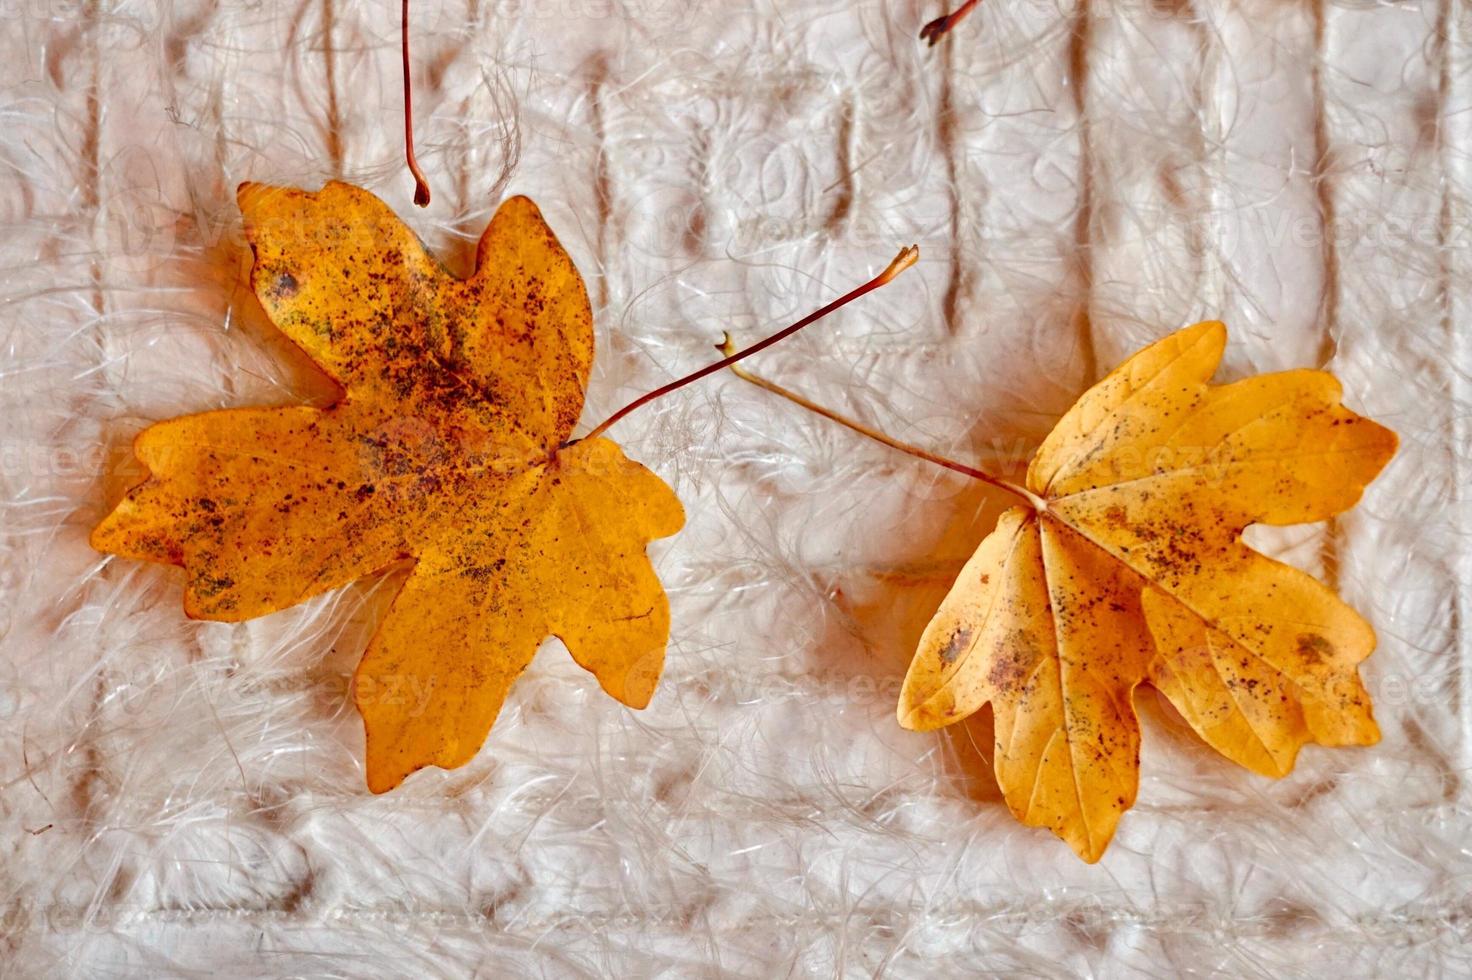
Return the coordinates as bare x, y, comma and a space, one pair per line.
1014, 665
1315, 649
955, 645
285, 286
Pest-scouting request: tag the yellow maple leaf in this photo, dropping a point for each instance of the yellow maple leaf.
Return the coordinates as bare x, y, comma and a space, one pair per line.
448, 448
1129, 568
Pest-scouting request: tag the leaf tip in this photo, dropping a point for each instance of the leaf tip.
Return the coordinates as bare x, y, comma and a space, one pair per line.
1211, 332
920, 712
385, 765
249, 195
634, 686
1388, 445
99, 538
1088, 851
634, 694
380, 781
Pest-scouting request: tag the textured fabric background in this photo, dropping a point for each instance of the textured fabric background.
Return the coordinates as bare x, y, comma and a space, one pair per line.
186, 799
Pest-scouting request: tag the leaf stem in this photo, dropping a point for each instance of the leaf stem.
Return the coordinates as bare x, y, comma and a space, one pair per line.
938, 28
908, 448
421, 186
906, 258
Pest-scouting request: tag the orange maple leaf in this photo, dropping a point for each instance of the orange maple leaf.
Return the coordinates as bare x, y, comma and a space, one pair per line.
447, 448
1128, 567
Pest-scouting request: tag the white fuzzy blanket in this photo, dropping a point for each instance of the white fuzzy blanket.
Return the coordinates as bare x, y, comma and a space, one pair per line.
186, 799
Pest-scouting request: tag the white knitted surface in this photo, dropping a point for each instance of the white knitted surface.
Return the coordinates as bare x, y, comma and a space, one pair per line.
185, 799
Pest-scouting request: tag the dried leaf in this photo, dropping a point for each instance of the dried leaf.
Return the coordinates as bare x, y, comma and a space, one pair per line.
446, 448
1131, 569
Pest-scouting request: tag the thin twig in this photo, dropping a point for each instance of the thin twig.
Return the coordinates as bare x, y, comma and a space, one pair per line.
421, 186
906, 258
908, 448
938, 28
